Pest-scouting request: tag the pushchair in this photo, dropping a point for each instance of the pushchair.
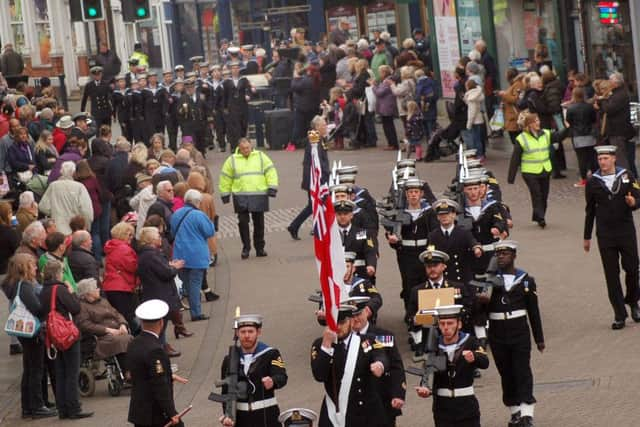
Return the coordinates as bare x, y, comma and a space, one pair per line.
92, 370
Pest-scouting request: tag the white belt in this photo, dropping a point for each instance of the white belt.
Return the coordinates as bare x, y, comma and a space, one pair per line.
456, 392
414, 243
507, 316
359, 263
254, 406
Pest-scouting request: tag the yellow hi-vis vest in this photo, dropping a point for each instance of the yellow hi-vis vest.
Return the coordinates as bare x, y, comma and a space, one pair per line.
535, 152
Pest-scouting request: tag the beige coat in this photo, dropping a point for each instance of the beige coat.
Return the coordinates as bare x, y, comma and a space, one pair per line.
509, 101
64, 199
474, 98
94, 319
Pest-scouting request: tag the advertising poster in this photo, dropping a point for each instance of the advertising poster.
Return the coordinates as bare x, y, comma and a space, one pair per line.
469, 24
446, 28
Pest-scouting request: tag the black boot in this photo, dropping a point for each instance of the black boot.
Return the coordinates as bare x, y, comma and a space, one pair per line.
515, 420
526, 421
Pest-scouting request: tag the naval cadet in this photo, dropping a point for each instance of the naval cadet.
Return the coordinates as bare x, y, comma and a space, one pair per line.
454, 400
412, 240
262, 370
99, 92
392, 386
136, 101
356, 240
360, 219
155, 107
454, 240
612, 195
346, 364
179, 70
122, 107
510, 305
176, 92
217, 88
132, 74
191, 115
237, 92
167, 80
151, 403
298, 417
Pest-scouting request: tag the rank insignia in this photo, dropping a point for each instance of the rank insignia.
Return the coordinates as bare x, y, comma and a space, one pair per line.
159, 367
636, 185
314, 353
370, 242
278, 362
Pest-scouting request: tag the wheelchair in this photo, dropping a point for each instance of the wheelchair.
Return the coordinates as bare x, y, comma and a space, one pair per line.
92, 370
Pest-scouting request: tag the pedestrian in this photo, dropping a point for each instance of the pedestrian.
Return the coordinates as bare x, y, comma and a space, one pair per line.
21, 156
476, 123
357, 240
27, 211
66, 198
142, 201
120, 280
82, 261
237, 93
346, 364
386, 106
11, 64
580, 119
414, 130
8, 235
67, 363
21, 281
552, 93
427, 98
98, 91
340, 33
317, 137
156, 107
46, 153
404, 92
514, 315
191, 228
251, 178
139, 55
532, 154
152, 379
163, 205
260, 366
109, 61
305, 87
454, 400
612, 195
510, 98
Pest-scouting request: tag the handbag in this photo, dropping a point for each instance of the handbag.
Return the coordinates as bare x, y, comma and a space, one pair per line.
371, 99
497, 120
62, 333
21, 323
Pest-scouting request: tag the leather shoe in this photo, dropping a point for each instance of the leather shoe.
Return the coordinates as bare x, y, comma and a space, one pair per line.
43, 412
635, 313
293, 233
515, 420
244, 254
79, 415
261, 253
171, 352
199, 318
618, 324
211, 296
15, 349
526, 421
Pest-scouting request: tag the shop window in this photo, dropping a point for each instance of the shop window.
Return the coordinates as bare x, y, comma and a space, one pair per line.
17, 24
43, 33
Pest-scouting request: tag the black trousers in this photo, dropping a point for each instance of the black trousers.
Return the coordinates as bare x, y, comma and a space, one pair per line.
32, 372
390, 131
586, 160
625, 253
258, 230
412, 273
126, 131
558, 160
464, 423
67, 371
538, 185
301, 125
172, 131
513, 134
236, 126
302, 216
125, 303
513, 363
220, 128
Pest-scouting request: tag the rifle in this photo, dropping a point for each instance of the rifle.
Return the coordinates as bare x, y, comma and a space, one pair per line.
436, 361
392, 208
456, 190
235, 389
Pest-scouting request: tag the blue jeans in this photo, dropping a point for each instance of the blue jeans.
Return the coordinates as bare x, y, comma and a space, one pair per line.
302, 216
476, 140
192, 283
100, 231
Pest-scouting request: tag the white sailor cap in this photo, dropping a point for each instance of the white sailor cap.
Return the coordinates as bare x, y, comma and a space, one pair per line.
247, 47
407, 169
341, 188
179, 67
95, 69
165, 72
297, 417
233, 50
348, 170
433, 256
154, 309
474, 179
196, 59
406, 163
120, 77
504, 245
248, 320
348, 179
412, 183
470, 153
448, 311
605, 149
349, 256
474, 163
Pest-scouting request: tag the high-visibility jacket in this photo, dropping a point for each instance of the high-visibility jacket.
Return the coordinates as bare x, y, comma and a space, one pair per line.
249, 179
535, 152
143, 59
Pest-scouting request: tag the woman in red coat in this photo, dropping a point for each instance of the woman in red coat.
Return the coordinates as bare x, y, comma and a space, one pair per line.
120, 278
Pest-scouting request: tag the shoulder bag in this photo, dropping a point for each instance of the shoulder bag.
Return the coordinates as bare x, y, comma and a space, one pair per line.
21, 323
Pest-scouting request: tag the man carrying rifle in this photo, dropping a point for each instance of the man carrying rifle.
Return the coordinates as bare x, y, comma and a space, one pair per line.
260, 371
356, 240
412, 239
454, 400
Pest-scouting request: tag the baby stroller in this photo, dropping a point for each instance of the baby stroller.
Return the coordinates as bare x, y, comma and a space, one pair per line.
92, 370
446, 141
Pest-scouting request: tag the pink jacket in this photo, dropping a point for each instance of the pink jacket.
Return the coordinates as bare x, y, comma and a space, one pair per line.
120, 267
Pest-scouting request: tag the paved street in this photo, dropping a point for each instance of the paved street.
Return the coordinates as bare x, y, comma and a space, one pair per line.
586, 377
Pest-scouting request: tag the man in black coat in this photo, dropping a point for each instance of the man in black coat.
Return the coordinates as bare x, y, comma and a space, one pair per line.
156, 105
163, 206
151, 403
114, 174
317, 138
192, 115
109, 62
356, 240
99, 92
122, 107
82, 261
237, 92
612, 195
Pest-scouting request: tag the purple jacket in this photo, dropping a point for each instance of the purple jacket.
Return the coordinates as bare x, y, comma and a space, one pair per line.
70, 155
385, 99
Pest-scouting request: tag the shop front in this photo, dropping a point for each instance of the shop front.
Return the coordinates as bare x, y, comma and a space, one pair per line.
366, 17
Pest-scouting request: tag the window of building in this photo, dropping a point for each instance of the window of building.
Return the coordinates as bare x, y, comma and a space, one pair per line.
17, 24
43, 33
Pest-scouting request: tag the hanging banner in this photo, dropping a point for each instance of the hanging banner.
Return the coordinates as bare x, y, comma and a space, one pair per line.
446, 27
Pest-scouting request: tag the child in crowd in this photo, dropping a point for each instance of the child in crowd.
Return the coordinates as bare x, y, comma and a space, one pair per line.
415, 129
474, 98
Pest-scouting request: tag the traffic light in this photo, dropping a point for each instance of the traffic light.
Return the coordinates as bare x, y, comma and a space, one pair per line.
135, 10
92, 10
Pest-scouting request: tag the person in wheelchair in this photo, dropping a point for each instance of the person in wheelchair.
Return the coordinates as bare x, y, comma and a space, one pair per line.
98, 318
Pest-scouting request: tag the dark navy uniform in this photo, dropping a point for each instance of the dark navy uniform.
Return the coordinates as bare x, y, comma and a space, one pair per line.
217, 88
173, 101
192, 118
155, 110
152, 385
461, 410
490, 216
261, 407
363, 287
458, 244
509, 335
122, 112
236, 108
358, 240
136, 101
364, 407
99, 92
616, 235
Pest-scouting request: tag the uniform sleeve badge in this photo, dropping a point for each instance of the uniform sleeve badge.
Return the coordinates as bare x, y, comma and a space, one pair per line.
314, 353
159, 367
636, 185
370, 242
278, 362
